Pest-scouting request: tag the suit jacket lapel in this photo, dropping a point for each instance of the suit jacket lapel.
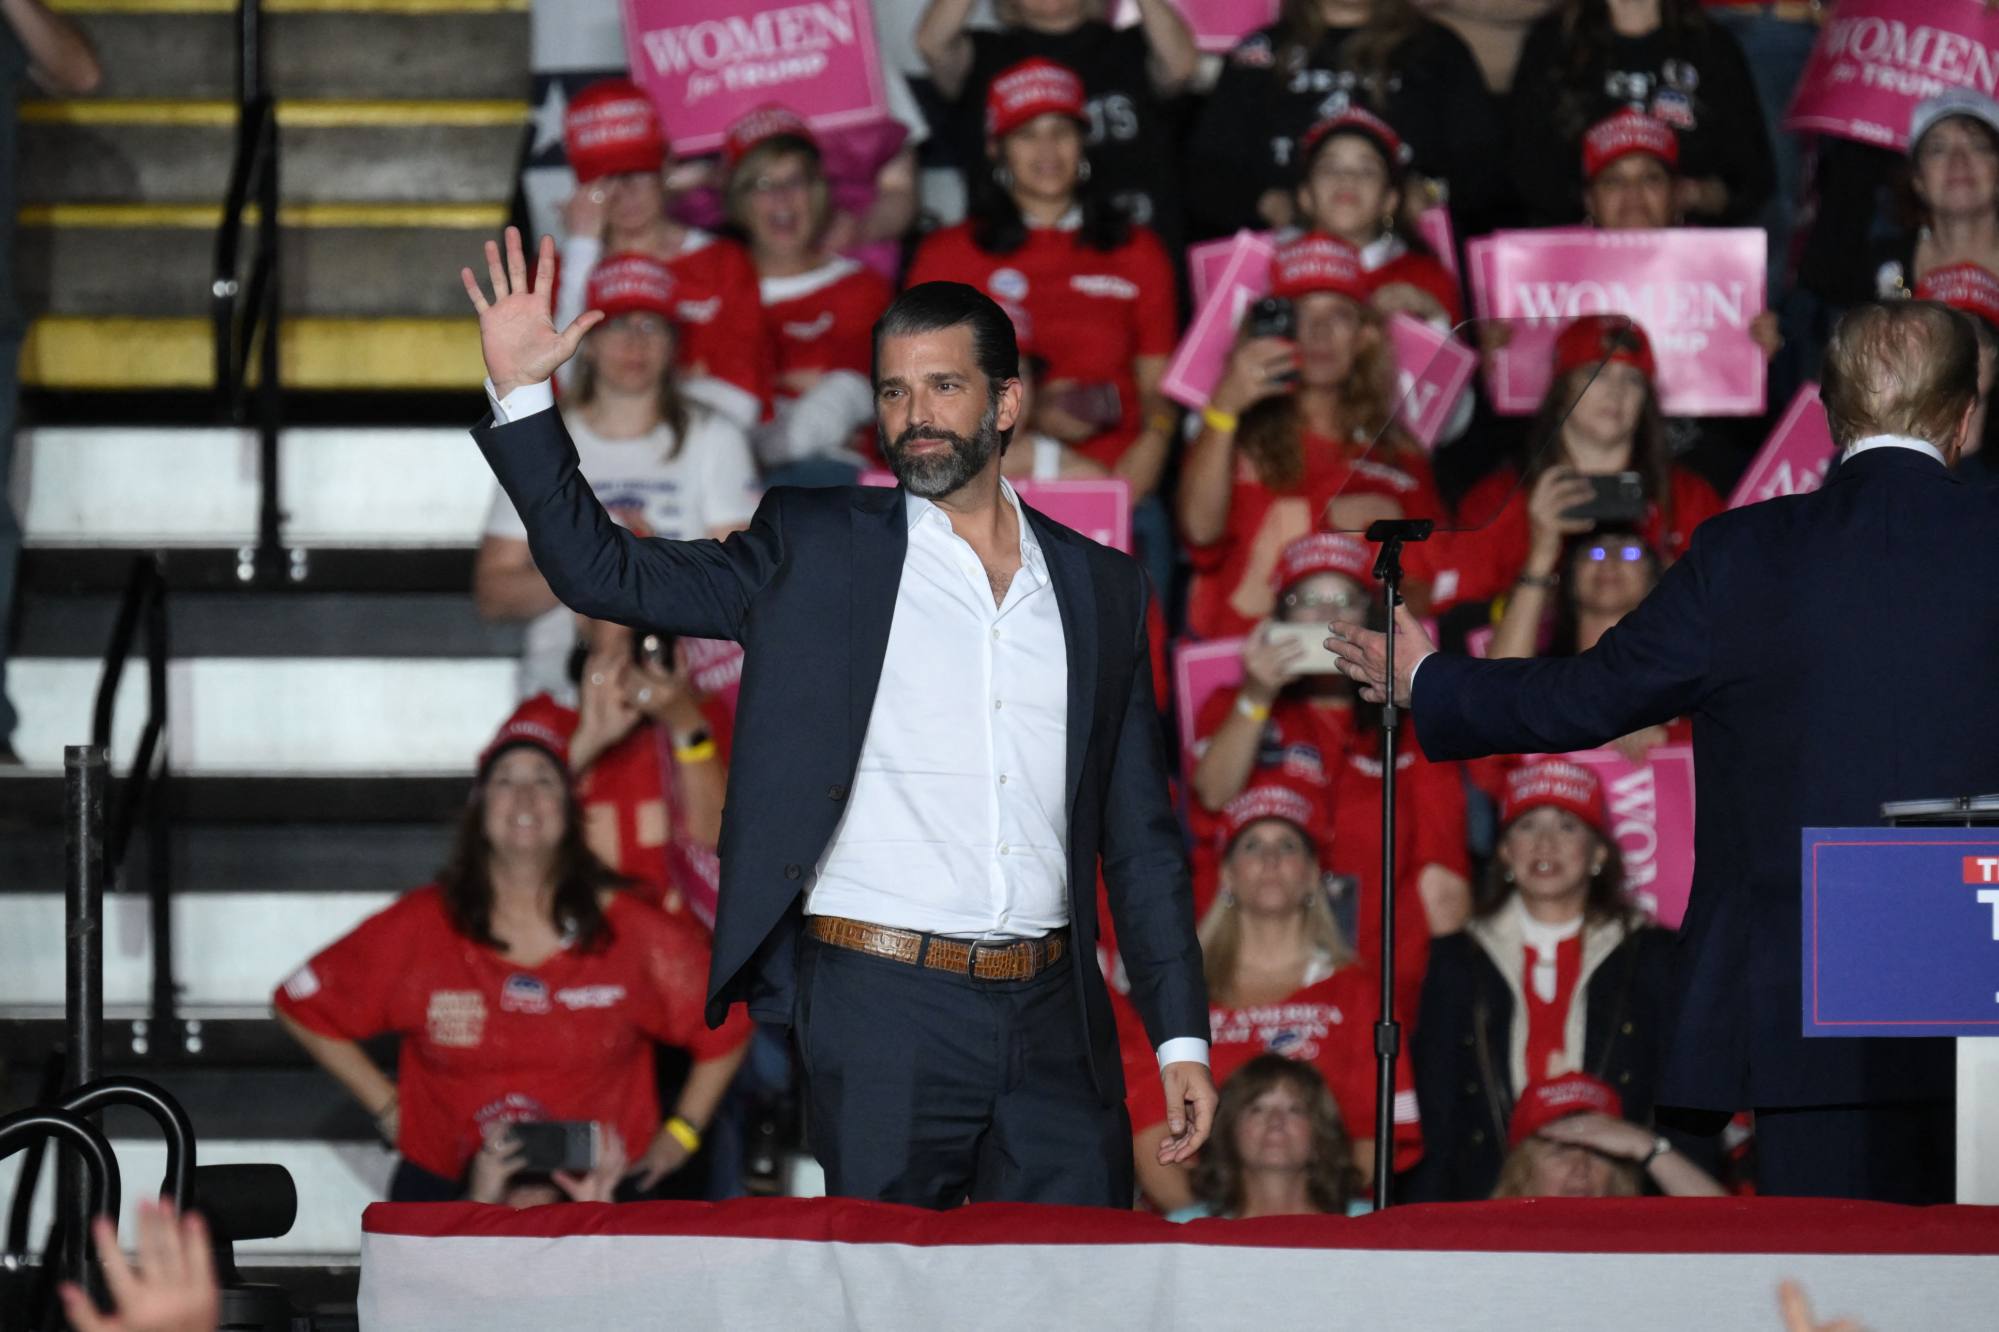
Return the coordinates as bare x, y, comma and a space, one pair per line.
1069, 570
880, 538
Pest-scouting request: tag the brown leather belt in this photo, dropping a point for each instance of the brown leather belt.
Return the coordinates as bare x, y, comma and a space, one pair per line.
1021, 960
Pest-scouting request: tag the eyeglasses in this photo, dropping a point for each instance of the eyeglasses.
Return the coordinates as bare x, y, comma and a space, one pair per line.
780, 184
1632, 554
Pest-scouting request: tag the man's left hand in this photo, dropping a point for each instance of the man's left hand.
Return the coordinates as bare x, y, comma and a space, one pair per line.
1190, 1110
1363, 655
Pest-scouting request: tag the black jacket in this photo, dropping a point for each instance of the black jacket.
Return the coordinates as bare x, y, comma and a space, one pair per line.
1835, 652
1464, 1080
809, 590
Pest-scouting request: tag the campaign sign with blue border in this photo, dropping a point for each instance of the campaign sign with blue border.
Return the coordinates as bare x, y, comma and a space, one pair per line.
1901, 932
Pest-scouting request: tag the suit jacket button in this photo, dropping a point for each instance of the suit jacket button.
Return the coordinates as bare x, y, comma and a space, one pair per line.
1626, 1029
836, 793
1471, 1089
792, 871
1478, 1136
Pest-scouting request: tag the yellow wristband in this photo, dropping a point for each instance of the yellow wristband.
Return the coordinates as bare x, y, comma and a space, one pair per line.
684, 1133
1214, 418
1256, 712
698, 752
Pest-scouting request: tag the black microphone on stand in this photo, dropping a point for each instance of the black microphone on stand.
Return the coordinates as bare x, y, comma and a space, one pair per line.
1390, 534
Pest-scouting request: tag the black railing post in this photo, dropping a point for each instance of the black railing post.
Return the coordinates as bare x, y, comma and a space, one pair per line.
163, 1009
84, 781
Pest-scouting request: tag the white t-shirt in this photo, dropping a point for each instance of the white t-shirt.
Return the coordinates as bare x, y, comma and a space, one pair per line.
710, 484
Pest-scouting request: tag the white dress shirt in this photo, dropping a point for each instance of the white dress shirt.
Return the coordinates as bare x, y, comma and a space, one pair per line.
955, 822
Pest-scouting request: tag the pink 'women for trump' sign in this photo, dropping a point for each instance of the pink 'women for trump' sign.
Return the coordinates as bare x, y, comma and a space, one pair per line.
1098, 508
1198, 361
1796, 457
1431, 370
706, 62
1228, 276
1875, 60
1199, 669
1652, 822
1693, 290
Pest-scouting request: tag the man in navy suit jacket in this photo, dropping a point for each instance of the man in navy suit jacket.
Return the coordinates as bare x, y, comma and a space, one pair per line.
945, 727
1835, 650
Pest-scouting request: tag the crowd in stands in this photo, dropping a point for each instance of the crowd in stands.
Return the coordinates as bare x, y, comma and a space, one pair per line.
736, 355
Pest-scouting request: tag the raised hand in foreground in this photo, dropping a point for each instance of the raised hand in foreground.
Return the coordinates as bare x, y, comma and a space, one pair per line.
173, 1288
517, 332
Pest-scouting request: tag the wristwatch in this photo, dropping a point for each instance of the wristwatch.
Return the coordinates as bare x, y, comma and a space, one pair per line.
1660, 1146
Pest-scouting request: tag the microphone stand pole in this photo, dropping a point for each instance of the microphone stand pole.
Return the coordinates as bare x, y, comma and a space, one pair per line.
1390, 534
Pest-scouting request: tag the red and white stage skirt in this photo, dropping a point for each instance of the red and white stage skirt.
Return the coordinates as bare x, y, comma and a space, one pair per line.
1538, 1265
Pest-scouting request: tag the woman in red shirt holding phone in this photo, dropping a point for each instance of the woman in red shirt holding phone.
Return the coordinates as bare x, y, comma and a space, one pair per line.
527, 986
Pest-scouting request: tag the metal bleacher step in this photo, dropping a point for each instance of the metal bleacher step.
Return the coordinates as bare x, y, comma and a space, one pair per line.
164, 150
137, 487
128, 353
267, 935
314, 48
291, 716
230, 857
339, 260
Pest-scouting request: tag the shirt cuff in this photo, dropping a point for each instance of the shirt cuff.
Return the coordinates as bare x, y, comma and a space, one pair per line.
1184, 1050
523, 402
1412, 670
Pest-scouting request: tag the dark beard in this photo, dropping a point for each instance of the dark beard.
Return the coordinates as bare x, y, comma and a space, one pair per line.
932, 475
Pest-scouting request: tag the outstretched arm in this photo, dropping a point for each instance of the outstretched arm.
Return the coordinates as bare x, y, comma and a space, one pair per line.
1653, 666
597, 568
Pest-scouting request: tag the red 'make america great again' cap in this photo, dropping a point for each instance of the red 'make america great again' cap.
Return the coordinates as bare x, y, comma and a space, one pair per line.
1625, 133
1555, 783
630, 283
1032, 88
1571, 1094
612, 129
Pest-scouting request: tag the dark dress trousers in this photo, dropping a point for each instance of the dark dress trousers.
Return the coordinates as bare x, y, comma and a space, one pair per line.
1835, 650
809, 589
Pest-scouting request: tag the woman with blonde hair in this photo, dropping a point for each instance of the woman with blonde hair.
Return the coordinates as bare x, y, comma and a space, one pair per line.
1568, 1138
1281, 981
1279, 1148
1297, 435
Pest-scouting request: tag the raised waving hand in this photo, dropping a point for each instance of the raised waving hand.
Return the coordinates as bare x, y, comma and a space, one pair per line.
517, 332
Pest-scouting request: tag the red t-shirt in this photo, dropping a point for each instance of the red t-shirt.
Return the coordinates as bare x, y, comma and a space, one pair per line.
1088, 312
1480, 564
486, 1041
825, 321
1319, 746
1329, 1025
1230, 592
719, 312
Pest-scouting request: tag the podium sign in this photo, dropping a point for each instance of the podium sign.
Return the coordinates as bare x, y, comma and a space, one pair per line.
1901, 931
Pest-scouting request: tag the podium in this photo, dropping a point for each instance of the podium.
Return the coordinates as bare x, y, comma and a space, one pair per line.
1901, 938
